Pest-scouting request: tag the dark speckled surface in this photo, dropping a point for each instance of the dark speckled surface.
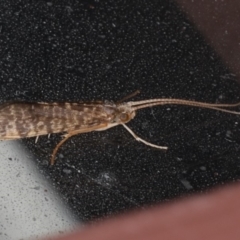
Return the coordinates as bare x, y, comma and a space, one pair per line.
104, 50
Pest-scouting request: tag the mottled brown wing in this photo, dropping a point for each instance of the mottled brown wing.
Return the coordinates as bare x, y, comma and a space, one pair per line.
19, 120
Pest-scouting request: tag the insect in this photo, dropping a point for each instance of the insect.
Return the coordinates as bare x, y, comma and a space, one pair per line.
22, 120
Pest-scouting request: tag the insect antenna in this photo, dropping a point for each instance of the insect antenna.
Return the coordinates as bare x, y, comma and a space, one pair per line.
164, 101
167, 101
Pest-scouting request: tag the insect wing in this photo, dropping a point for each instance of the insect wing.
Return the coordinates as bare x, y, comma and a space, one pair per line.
19, 120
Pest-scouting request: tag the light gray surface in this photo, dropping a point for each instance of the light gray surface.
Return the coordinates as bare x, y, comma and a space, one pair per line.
29, 208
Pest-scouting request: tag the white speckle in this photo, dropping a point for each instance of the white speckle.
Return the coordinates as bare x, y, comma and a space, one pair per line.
106, 179
69, 10
186, 184
203, 168
228, 133
220, 97
108, 66
67, 171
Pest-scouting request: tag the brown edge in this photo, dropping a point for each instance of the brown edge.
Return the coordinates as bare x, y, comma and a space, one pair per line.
213, 216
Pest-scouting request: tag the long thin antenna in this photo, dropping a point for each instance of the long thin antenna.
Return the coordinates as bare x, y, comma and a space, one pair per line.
167, 101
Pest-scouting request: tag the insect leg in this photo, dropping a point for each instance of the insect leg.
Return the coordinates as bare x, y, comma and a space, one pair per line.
66, 137
36, 139
142, 140
70, 134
